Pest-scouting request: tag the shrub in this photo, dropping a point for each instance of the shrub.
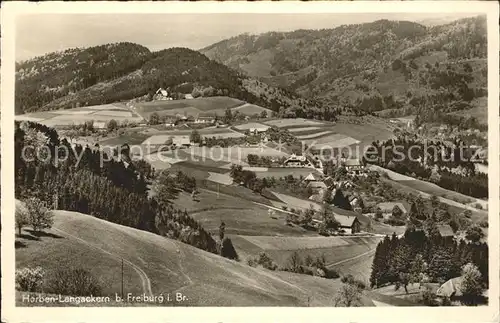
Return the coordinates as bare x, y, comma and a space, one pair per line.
483, 224
331, 273
39, 216
75, 282
266, 261
429, 298
29, 279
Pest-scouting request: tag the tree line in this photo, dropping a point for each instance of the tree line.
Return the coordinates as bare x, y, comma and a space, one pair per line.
113, 192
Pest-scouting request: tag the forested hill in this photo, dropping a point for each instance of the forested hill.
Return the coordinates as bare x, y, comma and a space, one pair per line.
123, 71
372, 66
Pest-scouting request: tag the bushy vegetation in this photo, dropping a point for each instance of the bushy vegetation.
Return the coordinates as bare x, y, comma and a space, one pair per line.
424, 256
395, 155
30, 279
104, 187
75, 282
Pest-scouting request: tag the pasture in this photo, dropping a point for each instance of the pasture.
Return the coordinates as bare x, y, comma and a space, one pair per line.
251, 109
154, 264
336, 250
66, 117
162, 136
296, 122
235, 155
278, 172
433, 189
240, 215
216, 105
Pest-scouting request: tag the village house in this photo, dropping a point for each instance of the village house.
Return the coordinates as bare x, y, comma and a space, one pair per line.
297, 161
100, 125
205, 120
348, 220
316, 186
188, 96
181, 141
161, 94
445, 230
353, 165
387, 207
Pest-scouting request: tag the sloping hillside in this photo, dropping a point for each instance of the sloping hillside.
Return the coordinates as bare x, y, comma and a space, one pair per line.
372, 66
154, 264
118, 72
46, 78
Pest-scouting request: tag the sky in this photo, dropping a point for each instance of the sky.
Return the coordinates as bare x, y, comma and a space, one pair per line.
43, 33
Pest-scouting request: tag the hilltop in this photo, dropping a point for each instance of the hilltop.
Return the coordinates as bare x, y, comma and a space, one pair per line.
125, 71
398, 66
154, 264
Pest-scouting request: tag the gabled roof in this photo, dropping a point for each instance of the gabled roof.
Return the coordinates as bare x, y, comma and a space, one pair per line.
316, 184
345, 221
345, 217
181, 140
445, 230
310, 177
352, 162
450, 288
388, 206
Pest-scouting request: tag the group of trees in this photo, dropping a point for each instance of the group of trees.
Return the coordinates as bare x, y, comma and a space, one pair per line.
103, 187
417, 159
424, 256
248, 179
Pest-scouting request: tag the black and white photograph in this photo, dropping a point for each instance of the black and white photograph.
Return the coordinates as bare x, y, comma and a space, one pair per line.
261, 159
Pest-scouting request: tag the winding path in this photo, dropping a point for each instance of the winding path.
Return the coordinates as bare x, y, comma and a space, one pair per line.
146, 282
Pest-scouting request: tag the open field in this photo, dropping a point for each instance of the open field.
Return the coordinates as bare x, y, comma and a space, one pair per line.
329, 141
251, 109
100, 113
313, 135
241, 216
391, 174
278, 172
303, 129
339, 250
252, 125
191, 107
433, 189
284, 123
297, 203
162, 136
155, 264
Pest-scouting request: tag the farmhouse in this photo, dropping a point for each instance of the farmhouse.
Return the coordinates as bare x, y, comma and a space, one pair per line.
182, 120
181, 141
188, 96
161, 94
101, 125
349, 223
297, 161
387, 207
445, 230
205, 118
316, 186
353, 164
